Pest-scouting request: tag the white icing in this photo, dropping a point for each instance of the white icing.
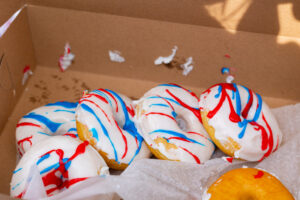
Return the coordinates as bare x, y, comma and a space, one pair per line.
229, 79
166, 60
187, 66
67, 58
205, 195
115, 56
84, 165
251, 142
104, 142
36, 131
148, 120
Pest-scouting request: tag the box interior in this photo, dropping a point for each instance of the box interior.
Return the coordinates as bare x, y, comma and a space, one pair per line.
266, 62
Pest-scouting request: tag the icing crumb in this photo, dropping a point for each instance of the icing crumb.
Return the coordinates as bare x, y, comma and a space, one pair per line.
205, 195
66, 59
166, 60
26, 73
115, 56
244, 166
229, 79
228, 159
187, 66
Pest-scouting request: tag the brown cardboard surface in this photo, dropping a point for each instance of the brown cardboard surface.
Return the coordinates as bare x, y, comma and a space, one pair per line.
7, 8
261, 61
17, 51
251, 15
68, 86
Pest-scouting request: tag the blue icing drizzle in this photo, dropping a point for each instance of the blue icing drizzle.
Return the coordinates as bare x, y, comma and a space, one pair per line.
170, 85
174, 133
17, 170
44, 157
53, 126
129, 126
95, 134
60, 110
64, 104
43, 133
88, 109
47, 169
159, 104
238, 99
169, 99
219, 91
174, 114
103, 95
14, 187
72, 129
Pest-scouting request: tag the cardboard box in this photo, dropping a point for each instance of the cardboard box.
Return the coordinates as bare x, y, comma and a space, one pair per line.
261, 37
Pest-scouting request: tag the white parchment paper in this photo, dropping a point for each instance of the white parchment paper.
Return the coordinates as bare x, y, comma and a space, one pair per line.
159, 179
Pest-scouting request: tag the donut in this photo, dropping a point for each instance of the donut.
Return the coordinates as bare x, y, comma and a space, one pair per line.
52, 119
61, 161
247, 183
105, 119
239, 122
169, 119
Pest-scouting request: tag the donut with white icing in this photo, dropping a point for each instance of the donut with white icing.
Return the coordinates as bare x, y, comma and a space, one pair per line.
239, 122
61, 161
52, 119
105, 119
169, 119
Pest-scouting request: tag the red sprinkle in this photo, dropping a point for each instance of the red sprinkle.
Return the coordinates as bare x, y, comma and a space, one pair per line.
259, 174
229, 159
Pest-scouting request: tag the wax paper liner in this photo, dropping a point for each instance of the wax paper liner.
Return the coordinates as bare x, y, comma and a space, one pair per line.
159, 179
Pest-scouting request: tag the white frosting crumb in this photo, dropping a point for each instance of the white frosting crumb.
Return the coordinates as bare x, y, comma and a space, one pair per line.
205, 195
229, 79
166, 60
66, 59
244, 166
104, 170
187, 66
236, 154
115, 56
26, 73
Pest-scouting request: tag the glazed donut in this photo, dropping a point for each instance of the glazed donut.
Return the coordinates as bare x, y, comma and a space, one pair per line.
169, 119
52, 119
239, 122
62, 162
247, 183
104, 118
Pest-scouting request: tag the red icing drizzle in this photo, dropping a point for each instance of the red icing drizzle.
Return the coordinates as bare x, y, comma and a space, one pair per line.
27, 124
97, 96
195, 111
167, 102
270, 139
192, 93
232, 116
259, 174
71, 135
178, 138
248, 106
163, 114
102, 90
96, 106
124, 138
197, 134
130, 110
53, 177
229, 159
27, 139
194, 156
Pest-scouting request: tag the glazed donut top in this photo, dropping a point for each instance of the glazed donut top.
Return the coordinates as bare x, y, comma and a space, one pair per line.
52, 119
61, 161
109, 117
169, 119
236, 112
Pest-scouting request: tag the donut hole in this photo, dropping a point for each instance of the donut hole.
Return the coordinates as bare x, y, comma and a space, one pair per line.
182, 124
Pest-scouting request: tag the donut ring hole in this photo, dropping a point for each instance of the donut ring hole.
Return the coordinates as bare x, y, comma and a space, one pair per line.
182, 123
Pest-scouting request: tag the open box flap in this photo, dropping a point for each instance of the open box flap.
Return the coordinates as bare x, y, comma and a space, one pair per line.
277, 17
8, 7
16, 53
